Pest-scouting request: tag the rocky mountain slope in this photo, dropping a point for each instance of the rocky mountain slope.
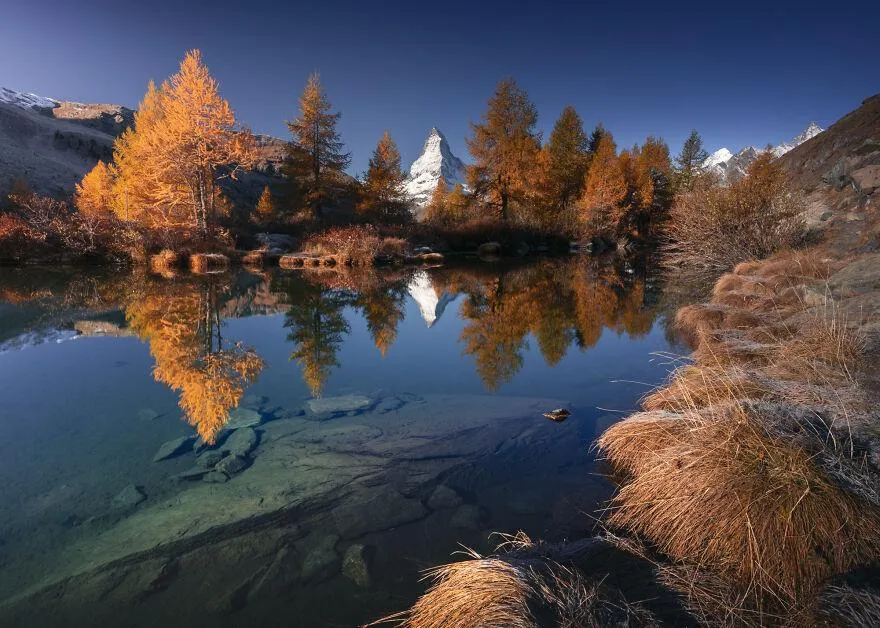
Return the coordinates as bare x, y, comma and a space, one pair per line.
729, 166
53, 143
436, 161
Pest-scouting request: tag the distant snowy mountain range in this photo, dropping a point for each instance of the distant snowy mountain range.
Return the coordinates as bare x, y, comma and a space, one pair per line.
436, 161
730, 166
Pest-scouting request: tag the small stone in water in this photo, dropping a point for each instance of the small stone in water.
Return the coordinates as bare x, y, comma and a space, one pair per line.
241, 442
129, 497
215, 477
209, 459
354, 565
173, 448
243, 417
232, 465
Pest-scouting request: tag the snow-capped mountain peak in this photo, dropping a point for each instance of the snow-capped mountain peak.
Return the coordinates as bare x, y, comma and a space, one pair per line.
432, 302
436, 161
729, 166
26, 100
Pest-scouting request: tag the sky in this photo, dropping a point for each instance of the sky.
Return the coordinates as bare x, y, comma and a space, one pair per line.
741, 73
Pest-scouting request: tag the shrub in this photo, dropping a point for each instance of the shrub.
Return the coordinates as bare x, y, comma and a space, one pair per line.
354, 245
717, 227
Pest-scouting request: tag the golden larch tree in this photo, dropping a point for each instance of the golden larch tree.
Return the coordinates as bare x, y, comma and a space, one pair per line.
604, 189
94, 194
382, 196
504, 147
264, 212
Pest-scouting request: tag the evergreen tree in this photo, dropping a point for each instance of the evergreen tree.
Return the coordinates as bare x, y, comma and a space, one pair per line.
504, 147
382, 196
689, 163
316, 152
595, 138
564, 164
605, 189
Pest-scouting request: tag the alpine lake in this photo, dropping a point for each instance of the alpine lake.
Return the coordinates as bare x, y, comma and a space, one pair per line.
295, 448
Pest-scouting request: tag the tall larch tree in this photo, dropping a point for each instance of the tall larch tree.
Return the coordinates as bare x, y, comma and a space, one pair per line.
437, 209
382, 196
265, 212
689, 162
567, 150
317, 157
653, 181
504, 147
605, 189
200, 142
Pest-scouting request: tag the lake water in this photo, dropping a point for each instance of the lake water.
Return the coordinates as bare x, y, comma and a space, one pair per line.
291, 449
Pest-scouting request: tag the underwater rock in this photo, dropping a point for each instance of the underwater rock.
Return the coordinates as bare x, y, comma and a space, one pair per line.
215, 477
241, 442
443, 497
253, 401
468, 517
129, 497
193, 473
243, 417
389, 404
339, 405
321, 561
209, 459
231, 465
355, 566
173, 448
382, 510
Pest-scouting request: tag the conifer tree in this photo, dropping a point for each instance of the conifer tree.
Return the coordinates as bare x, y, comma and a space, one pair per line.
437, 208
689, 163
93, 196
382, 196
605, 189
264, 212
504, 147
595, 138
316, 152
567, 152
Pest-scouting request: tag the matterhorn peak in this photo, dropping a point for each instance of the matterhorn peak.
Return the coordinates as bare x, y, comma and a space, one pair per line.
435, 162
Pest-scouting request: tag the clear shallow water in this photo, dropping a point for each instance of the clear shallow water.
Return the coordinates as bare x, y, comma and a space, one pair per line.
426, 379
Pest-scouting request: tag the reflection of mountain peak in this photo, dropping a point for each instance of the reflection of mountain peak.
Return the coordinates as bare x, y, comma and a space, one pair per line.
431, 304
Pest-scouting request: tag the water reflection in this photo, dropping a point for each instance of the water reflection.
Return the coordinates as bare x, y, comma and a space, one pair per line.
181, 322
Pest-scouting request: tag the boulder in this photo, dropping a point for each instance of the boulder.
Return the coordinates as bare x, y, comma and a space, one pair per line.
389, 404
128, 498
173, 448
355, 565
193, 473
208, 460
231, 465
866, 179
276, 242
243, 417
443, 497
380, 510
321, 560
340, 405
215, 477
241, 442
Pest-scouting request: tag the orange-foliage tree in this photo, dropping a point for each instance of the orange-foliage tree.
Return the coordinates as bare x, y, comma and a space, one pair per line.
168, 166
382, 196
504, 147
94, 194
605, 189
265, 212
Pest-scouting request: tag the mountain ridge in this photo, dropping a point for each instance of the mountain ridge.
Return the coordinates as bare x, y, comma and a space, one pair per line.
436, 161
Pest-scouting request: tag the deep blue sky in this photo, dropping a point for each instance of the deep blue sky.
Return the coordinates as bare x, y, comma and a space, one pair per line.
739, 72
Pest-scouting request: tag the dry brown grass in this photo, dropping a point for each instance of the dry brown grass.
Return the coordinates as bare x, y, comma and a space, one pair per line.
725, 495
849, 607
747, 268
693, 387
695, 320
727, 283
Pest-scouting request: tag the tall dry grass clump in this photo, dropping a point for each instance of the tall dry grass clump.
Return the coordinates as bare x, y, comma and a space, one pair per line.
715, 227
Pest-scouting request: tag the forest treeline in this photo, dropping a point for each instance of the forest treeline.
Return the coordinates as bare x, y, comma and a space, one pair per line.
167, 184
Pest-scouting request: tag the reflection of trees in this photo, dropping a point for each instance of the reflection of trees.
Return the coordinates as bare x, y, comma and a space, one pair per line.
383, 308
181, 322
318, 329
558, 303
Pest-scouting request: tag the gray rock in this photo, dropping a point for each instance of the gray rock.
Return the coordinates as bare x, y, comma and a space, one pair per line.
340, 405
129, 497
468, 517
253, 401
215, 477
194, 473
443, 497
209, 459
378, 511
321, 560
355, 565
231, 465
241, 442
173, 448
276, 242
243, 417
389, 404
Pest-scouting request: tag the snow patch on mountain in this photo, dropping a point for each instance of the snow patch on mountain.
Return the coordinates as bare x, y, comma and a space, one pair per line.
432, 303
729, 166
436, 161
26, 100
